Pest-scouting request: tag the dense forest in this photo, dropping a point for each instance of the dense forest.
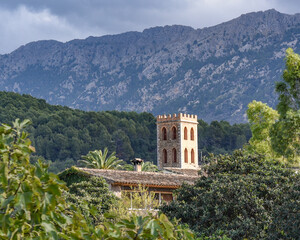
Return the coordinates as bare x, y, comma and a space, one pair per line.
61, 135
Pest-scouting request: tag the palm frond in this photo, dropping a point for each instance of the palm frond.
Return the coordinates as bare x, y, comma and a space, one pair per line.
99, 159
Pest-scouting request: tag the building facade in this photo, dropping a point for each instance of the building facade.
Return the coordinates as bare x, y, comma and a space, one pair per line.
177, 156
120, 181
177, 141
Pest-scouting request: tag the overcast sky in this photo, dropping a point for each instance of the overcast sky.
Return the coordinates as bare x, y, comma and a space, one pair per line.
23, 21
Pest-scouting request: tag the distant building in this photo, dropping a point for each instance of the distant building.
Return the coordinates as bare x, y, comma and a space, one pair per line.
162, 184
177, 141
177, 158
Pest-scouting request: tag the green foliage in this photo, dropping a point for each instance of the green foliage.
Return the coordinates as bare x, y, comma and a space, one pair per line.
221, 137
137, 200
149, 167
289, 88
123, 146
285, 223
73, 175
88, 192
99, 160
57, 166
33, 206
31, 200
148, 227
285, 134
61, 135
92, 194
242, 197
261, 118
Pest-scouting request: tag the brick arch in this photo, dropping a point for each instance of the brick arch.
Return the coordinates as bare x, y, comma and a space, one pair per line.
192, 156
186, 158
164, 133
174, 153
192, 134
185, 133
165, 156
174, 132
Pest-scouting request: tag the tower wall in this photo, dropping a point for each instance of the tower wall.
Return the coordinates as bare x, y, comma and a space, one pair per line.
180, 122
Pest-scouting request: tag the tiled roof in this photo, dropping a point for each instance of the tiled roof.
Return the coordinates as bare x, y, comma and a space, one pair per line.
119, 177
189, 172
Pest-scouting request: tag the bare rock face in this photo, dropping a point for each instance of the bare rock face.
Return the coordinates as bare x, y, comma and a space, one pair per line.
212, 72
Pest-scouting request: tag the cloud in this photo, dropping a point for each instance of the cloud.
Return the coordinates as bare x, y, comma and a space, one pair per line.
24, 21
24, 25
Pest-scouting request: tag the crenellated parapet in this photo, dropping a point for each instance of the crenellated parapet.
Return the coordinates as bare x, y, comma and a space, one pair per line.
177, 141
177, 117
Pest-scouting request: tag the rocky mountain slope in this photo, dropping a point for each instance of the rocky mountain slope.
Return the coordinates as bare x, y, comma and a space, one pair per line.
213, 72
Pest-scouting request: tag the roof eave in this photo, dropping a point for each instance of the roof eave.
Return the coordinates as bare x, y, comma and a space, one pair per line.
146, 185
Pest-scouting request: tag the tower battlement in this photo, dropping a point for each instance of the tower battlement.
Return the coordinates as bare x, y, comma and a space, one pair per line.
177, 141
177, 117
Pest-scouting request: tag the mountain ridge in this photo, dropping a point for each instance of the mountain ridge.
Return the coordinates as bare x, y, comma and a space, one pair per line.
213, 72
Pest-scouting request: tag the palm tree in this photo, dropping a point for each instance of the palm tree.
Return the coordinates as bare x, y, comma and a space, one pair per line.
149, 167
100, 160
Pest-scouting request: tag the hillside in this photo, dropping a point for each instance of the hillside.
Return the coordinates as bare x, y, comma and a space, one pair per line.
212, 72
61, 134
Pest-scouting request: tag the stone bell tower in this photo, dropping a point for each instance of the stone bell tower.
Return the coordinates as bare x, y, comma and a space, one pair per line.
177, 141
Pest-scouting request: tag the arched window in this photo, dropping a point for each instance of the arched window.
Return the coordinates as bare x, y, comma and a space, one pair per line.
174, 132
165, 154
185, 134
174, 152
164, 133
186, 156
192, 156
192, 134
